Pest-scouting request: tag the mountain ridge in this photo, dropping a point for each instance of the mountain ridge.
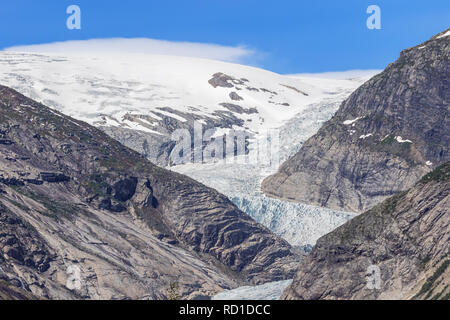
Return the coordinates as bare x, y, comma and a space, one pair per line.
384, 137
406, 238
74, 188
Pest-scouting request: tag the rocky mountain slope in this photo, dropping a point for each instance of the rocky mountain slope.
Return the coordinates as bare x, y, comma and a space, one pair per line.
406, 239
384, 137
10, 292
74, 202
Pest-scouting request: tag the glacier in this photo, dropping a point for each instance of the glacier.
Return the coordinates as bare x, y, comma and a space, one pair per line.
267, 291
299, 224
134, 91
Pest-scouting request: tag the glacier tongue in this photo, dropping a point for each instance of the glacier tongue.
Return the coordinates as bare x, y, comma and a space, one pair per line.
299, 224
267, 291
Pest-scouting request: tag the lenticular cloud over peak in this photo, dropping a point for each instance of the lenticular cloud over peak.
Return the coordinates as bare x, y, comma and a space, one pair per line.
237, 54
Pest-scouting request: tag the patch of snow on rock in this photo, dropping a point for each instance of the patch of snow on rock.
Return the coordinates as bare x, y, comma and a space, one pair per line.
444, 35
350, 122
401, 140
366, 136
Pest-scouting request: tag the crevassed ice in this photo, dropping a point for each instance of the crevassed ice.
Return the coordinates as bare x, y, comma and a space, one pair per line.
268, 291
299, 224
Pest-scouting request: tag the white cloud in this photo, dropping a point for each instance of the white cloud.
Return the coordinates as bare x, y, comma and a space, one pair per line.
340, 75
238, 54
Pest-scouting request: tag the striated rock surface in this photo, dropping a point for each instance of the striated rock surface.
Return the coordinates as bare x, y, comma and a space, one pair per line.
10, 292
405, 241
73, 200
384, 137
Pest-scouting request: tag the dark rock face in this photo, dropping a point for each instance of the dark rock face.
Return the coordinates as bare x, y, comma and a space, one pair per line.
131, 226
221, 80
108, 204
407, 238
22, 243
12, 181
124, 190
6, 142
385, 136
52, 177
234, 96
238, 109
9, 291
34, 181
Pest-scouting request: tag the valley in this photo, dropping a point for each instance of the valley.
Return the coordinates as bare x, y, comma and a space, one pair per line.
100, 198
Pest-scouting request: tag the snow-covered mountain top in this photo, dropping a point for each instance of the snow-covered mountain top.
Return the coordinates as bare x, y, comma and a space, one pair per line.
103, 88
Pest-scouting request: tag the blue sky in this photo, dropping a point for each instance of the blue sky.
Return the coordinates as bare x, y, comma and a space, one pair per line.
285, 36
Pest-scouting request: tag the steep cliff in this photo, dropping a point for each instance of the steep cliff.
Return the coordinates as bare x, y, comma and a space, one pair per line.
397, 250
384, 137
